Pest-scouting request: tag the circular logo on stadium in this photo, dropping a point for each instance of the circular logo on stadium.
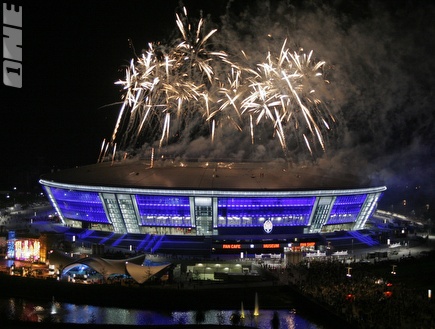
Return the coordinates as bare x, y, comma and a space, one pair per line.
268, 226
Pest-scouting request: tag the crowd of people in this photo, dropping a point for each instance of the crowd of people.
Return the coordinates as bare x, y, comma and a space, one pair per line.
370, 295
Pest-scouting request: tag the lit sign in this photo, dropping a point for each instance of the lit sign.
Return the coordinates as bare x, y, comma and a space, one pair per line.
27, 249
232, 246
307, 244
271, 245
268, 226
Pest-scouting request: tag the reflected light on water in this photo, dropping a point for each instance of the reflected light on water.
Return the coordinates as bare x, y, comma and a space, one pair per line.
36, 311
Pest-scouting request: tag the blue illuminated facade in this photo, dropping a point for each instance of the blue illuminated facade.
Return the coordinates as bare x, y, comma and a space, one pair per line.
242, 212
346, 209
164, 211
211, 212
80, 205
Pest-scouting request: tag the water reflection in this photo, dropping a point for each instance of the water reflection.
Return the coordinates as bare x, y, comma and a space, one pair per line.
35, 311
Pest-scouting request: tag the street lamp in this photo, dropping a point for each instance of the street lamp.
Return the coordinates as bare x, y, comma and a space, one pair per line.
393, 271
349, 275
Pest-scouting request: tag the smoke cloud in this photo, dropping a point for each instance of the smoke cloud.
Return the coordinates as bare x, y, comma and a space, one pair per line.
380, 68
378, 60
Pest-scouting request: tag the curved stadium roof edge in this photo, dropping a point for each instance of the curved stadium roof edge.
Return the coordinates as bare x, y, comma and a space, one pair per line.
182, 192
213, 179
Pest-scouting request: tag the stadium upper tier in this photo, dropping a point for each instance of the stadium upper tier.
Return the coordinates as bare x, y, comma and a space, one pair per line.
210, 199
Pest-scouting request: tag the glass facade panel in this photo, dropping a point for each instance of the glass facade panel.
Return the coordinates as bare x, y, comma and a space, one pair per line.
128, 213
253, 212
320, 217
164, 210
80, 205
203, 216
367, 210
114, 213
346, 209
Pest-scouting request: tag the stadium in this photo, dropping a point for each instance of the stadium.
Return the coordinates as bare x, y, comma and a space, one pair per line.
206, 208
196, 207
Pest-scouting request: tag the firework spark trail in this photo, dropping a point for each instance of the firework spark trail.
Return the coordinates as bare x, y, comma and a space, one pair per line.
114, 153
170, 86
101, 151
105, 151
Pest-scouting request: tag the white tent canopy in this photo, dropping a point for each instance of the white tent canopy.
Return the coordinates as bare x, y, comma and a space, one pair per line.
107, 267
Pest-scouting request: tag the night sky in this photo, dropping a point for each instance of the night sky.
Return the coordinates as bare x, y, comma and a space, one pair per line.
379, 55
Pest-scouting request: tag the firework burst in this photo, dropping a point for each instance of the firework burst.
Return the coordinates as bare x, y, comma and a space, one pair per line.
172, 86
168, 86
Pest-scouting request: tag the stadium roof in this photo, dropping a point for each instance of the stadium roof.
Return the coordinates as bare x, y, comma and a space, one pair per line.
206, 176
